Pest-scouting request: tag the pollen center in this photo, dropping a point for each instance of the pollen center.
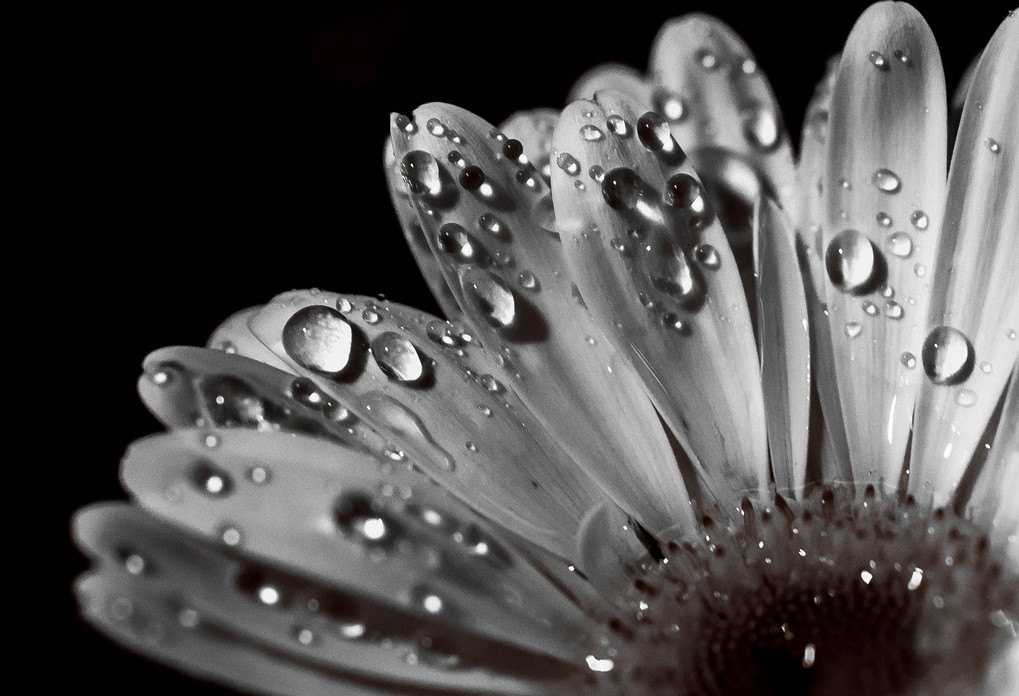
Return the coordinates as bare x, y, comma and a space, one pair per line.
829, 596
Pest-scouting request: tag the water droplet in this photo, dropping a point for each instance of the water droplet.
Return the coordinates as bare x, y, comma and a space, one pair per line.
653, 132
210, 480
471, 178
920, 270
231, 535
259, 475
707, 59
421, 172
947, 356
851, 261
1010, 334
359, 520
436, 128
853, 329
908, 360
405, 124
617, 125
920, 220
748, 66
525, 177
456, 158
344, 305
319, 338
900, 244
491, 295
568, 163
454, 240
512, 149
596, 173
590, 132
886, 180
878, 60
669, 105
485, 410
527, 280
408, 427
491, 384
685, 192
884, 219
306, 392
761, 129
992, 145
579, 185
893, 310
985, 367
397, 357
902, 57
371, 315
869, 308
427, 600
966, 397
134, 563
622, 188
441, 332
886, 291
707, 256
672, 321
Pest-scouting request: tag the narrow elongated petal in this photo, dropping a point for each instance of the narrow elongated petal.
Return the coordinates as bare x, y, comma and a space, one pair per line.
433, 396
971, 347
721, 107
607, 543
533, 130
612, 76
652, 262
415, 236
350, 521
883, 190
159, 590
785, 345
490, 222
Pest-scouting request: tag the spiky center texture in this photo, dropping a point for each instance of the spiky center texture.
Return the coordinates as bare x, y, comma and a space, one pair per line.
827, 596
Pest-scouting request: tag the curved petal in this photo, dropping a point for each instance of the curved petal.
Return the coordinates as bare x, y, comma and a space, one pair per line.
606, 545
708, 84
785, 345
432, 395
159, 591
614, 76
347, 520
526, 310
974, 312
883, 191
533, 129
653, 265
233, 336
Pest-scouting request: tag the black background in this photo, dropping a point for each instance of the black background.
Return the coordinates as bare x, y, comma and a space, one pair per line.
208, 159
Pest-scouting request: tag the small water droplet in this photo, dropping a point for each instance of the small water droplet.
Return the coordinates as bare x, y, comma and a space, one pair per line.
259, 475
869, 308
884, 219
596, 173
436, 128
454, 240
397, 357
920, 220
421, 172
908, 360
492, 296
748, 66
893, 310
591, 132
851, 261
853, 329
371, 316
707, 59
485, 410
525, 177
344, 305
985, 367
685, 192
707, 256
579, 185
622, 188
886, 180
527, 280
471, 178
568, 163
672, 321
405, 124
878, 60
358, 519
966, 397
231, 535
992, 145
669, 105
902, 57
761, 128
617, 125
210, 480
491, 384
900, 244
1010, 334
919, 270
947, 356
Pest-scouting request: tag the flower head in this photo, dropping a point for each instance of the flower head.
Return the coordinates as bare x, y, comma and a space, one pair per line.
703, 418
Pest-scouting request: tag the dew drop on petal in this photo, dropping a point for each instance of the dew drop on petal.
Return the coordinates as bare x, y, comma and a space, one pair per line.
472, 177
947, 356
992, 145
357, 519
869, 308
568, 163
653, 132
210, 480
621, 188
397, 357
527, 280
421, 172
761, 129
707, 59
707, 256
919, 270
618, 126
669, 105
344, 305
491, 295
878, 60
886, 180
908, 360
893, 310
591, 132
319, 338
436, 128
920, 220
454, 240
884, 219
853, 329
966, 397
851, 261
685, 192
900, 244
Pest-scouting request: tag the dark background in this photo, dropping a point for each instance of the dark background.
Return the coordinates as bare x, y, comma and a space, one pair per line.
209, 159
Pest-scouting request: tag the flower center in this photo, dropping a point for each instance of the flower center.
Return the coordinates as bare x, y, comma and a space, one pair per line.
827, 596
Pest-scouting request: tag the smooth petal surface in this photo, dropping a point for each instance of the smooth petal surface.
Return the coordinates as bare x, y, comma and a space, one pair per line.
355, 523
785, 345
883, 191
722, 109
471, 194
433, 396
974, 313
612, 76
653, 264
233, 336
606, 544
161, 591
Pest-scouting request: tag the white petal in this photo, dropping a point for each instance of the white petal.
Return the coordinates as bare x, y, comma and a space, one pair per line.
974, 285
348, 521
726, 103
233, 336
165, 593
607, 544
432, 395
663, 284
525, 309
533, 129
785, 345
614, 76
883, 189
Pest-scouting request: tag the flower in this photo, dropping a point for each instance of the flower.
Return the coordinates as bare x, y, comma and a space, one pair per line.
287, 537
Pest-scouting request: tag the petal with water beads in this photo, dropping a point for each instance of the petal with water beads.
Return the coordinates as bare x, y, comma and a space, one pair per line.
883, 189
785, 345
355, 523
164, 593
412, 231
233, 336
532, 131
526, 310
431, 392
723, 113
970, 347
651, 259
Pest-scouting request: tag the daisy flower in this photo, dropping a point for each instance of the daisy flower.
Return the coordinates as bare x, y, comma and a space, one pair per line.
702, 418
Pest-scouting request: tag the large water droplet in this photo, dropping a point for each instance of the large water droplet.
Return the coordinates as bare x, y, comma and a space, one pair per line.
947, 356
886, 180
421, 172
397, 357
492, 296
319, 338
851, 261
622, 188
685, 192
653, 132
